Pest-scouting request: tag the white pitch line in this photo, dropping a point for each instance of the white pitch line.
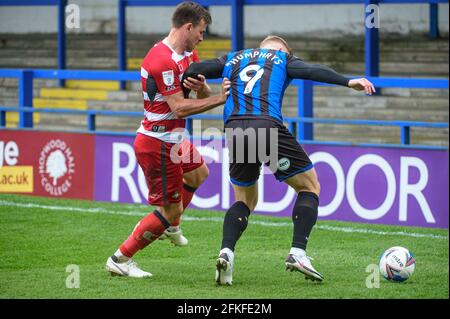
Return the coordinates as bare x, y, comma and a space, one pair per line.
218, 219
70, 209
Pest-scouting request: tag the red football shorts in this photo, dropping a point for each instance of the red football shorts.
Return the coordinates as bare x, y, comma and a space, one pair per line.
163, 165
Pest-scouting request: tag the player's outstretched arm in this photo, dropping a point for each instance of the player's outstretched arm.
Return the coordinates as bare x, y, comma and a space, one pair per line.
210, 69
184, 107
197, 73
362, 85
297, 69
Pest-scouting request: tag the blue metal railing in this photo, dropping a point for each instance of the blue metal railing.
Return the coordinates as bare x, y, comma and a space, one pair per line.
305, 98
301, 125
293, 123
237, 22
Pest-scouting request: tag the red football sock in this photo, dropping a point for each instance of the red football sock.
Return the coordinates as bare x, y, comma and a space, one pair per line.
188, 193
145, 232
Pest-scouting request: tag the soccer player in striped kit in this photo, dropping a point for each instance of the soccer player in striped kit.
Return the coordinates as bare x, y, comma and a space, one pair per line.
259, 78
172, 166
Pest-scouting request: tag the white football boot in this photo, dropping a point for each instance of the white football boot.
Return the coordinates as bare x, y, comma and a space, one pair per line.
175, 235
224, 269
128, 268
303, 265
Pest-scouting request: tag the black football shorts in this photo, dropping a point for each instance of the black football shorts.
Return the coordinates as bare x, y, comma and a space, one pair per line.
252, 142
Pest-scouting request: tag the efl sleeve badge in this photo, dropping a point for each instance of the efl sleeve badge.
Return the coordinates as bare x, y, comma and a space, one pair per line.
168, 77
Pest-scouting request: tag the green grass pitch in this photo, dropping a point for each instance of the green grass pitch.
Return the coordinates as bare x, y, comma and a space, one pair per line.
40, 237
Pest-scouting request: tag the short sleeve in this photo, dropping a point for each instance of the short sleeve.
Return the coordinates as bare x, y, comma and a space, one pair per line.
165, 72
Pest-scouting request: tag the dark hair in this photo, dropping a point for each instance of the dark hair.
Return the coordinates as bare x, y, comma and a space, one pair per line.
190, 12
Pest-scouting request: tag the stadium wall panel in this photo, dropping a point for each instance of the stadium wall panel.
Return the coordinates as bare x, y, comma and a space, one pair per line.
47, 164
391, 186
100, 16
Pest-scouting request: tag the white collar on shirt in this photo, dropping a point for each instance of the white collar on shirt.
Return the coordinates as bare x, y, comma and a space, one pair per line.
175, 56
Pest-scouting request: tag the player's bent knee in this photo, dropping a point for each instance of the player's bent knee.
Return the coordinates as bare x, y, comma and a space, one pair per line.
248, 195
311, 187
252, 204
204, 173
317, 188
196, 177
305, 182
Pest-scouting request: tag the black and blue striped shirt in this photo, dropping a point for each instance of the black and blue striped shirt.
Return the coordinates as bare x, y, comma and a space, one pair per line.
259, 78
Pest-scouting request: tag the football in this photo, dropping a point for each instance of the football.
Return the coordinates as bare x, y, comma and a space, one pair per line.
397, 264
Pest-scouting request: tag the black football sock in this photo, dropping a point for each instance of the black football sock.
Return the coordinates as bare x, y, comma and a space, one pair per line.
304, 218
234, 224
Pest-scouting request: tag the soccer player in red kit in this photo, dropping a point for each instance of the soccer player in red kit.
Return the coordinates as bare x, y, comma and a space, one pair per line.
173, 167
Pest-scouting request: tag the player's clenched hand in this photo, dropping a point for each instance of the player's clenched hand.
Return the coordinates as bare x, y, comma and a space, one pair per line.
226, 85
198, 85
362, 85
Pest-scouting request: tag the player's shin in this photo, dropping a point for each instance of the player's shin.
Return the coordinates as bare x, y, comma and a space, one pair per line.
304, 218
145, 232
187, 194
234, 224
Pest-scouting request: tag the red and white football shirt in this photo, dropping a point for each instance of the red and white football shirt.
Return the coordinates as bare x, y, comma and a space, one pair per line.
165, 67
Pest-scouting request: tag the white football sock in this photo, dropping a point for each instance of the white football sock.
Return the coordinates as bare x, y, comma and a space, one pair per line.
121, 258
229, 252
297, 252
172, 229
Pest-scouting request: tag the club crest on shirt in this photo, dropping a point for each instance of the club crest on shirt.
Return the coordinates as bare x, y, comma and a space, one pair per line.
168, 77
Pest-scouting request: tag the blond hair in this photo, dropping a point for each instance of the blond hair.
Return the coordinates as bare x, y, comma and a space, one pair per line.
275, 38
